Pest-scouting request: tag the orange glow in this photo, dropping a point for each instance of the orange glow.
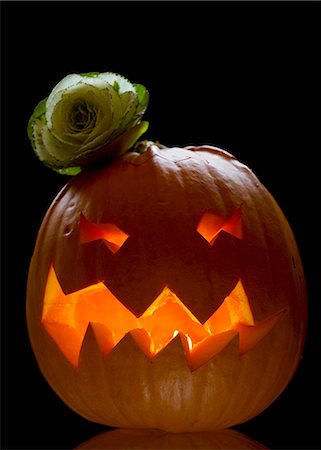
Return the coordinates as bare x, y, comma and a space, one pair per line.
210, 225
66, 319
113, 236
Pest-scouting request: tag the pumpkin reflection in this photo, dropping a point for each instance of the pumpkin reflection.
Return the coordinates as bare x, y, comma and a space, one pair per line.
226, 439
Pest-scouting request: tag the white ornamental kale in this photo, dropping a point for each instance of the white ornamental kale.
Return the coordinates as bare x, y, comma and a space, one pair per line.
87, 117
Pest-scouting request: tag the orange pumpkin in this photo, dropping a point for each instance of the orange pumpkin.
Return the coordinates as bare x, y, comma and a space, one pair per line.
166, 291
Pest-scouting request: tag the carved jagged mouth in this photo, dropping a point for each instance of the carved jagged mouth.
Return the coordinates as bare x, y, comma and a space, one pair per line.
67, 317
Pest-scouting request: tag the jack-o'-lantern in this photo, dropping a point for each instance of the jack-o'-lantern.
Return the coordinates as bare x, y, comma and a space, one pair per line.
166, 291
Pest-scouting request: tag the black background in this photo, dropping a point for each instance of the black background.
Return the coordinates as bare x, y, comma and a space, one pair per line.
242, 76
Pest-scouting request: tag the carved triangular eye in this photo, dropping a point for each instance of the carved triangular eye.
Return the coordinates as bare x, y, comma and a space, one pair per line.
113, 236
210, 225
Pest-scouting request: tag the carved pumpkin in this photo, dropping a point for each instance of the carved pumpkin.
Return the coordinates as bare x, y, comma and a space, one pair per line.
166, 291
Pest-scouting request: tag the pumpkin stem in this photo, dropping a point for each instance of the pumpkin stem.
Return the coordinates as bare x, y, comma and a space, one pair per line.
143, 146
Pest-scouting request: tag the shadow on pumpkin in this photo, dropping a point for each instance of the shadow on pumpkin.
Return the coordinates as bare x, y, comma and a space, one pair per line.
129, 439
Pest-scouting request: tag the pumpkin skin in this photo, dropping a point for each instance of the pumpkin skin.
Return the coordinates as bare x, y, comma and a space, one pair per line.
158, 199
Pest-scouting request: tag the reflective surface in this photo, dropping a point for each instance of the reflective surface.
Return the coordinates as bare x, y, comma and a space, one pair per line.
227, 439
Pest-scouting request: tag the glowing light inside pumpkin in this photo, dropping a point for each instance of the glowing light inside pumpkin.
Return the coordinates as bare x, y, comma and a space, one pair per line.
210, 225
113, 236
66, 319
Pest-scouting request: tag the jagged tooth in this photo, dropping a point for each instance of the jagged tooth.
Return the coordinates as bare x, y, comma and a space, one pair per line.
90, 354
250, 335
174, 354
62, 333
126, 348
143, 340
104, 337
133, 347
205, 350
96, 378
229, 352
